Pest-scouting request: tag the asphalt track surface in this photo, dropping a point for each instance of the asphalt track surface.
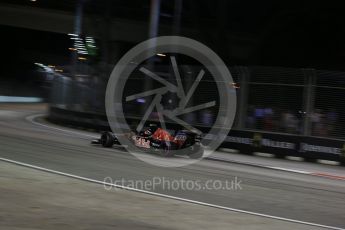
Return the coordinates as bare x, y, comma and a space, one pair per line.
265, 191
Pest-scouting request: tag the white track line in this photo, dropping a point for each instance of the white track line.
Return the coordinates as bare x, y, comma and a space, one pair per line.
168, 196
32, 118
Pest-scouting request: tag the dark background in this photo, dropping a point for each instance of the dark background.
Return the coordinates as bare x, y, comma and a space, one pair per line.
308, 34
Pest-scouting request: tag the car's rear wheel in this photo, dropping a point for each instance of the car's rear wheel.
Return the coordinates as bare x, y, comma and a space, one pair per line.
107, 140
196, 152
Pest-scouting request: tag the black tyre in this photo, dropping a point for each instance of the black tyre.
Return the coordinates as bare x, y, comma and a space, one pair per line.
107, 140
310, 159
166, 150
246, 151
196, 152
279, 156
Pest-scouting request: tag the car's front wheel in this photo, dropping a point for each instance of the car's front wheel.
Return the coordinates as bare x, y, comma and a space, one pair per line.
107, 140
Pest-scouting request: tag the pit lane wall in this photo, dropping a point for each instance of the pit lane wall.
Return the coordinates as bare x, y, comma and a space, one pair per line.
245, 141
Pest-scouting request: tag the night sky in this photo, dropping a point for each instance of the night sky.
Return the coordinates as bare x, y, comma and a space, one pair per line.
307, 34
21, 48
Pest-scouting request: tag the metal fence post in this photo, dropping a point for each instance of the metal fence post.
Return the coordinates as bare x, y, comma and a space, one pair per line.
309, 99
242, 101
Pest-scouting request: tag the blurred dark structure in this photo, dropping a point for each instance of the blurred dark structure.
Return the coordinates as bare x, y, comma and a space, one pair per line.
287, 58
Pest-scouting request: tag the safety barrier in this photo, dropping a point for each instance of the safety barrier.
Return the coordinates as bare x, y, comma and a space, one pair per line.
245, 141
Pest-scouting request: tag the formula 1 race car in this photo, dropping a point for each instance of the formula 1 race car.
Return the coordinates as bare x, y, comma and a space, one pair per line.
157, 140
